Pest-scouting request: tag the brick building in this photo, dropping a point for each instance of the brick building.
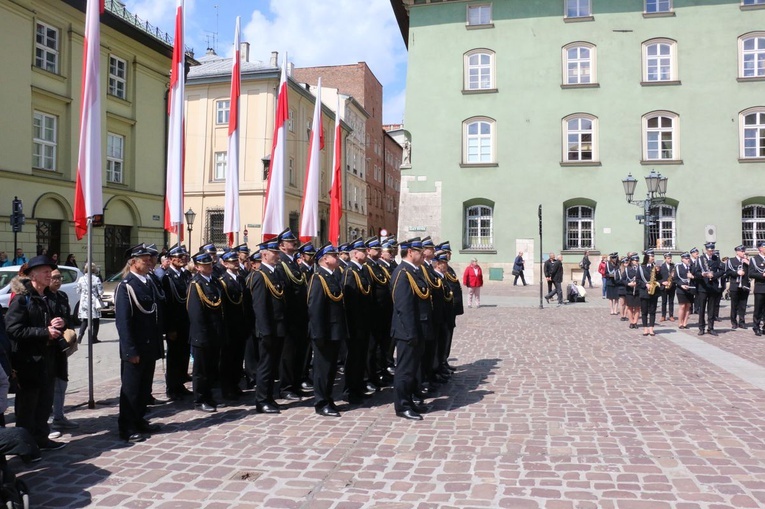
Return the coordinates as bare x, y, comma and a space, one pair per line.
358, 81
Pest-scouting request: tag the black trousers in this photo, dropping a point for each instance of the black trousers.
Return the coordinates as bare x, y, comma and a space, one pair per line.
325, 354
84, 329
449, 337
293, 357
648, 310
230, 363
379, 345
706, 302
34, 396
758, 315
668, 302
738, 300
557, 291
520, 275
251, 358
428, 359
355, 362
176, 363
205, 373
270, 352
586, 276
408, 354
134, 394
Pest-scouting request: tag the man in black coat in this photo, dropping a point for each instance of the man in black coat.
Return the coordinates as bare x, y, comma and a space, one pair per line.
410, 327
548, 266
327, 328
237, 310
296, 340
757, 272
207, 331
667, 288
387, 260
428, 375
737, 270
707, 272
381, 313
251, 354
306, 257
357, 295
176, 320
555, 277
268, 303
137, 317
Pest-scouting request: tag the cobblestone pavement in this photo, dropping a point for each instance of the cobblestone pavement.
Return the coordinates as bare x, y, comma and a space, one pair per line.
554, 408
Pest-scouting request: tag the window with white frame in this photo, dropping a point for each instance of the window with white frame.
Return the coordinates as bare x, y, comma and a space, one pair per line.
222, 111
479, 70
752, 225
752, 55
479, 227
578, 8
753, 2
580, 227
478, 136
479, 14
45, 136
117, 77
660, 136
221, 165
753, 133
662, 229
115, 158
291, 170
657, 6
46, 47
579, 64
291, 120
580, 138
659, 61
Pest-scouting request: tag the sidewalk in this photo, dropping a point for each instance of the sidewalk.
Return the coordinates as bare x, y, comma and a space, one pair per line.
554, 408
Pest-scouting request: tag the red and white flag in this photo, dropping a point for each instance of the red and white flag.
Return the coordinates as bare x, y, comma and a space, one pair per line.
175, 136
231, 209
273, 214
88, 192
309, 210
336, 191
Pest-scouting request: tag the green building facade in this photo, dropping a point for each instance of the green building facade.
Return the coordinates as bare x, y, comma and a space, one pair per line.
512, 104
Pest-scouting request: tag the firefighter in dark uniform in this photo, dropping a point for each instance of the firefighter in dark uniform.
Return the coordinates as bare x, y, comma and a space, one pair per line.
296, 339
251, 346
454, 283
344, 253
737, 270
428, 376
381, 313
237, 312
268, 303
707, 271
213, 252
206, 330
244, 259
327, 328
444, 328
389, 250
176, 286
357, 296
140, 335
306, 256
410, 327
757, 272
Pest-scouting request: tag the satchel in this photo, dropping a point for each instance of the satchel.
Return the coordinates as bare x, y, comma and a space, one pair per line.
516, 273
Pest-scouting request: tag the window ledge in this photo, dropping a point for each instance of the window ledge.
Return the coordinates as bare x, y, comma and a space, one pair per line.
579, 85
118, 185
742, 79
478, 165
42, 172
661, 162
479, 91
468, 250
669, 14
479, 26
579, 19
751, 159
118, 99
752, 7
580, 163
660, 83
580, 251
49, 74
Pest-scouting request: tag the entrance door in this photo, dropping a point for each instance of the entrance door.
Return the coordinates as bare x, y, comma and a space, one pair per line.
49, 238
116, 242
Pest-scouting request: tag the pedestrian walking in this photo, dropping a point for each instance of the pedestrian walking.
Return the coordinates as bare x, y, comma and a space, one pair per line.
518, 268
90, 300
585, 266
472, 278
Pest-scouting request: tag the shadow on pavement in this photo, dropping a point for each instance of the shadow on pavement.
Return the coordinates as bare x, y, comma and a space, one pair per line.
463, 388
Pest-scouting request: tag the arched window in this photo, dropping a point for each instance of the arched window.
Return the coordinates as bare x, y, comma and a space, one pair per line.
660, 139
580, 227
752, 225
580, 138
479, 227
752, 133
662, 227
579, 64
478, 141
479, 70
751, 55
659, 60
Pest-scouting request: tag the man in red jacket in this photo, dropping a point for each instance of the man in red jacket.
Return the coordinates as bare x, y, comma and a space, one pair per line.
473, 279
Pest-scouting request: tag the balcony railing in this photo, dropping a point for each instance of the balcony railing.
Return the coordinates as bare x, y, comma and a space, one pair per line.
117, 8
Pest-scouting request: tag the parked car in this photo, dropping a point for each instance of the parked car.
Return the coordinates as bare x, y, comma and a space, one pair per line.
110, 285
69, 276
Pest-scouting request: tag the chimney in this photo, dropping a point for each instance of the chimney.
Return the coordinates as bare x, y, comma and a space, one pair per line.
274, 59
244, 50
290, 68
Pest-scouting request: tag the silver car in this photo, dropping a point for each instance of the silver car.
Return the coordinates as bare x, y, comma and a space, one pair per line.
69, 276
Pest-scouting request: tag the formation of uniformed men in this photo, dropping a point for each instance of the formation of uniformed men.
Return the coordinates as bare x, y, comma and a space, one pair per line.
291, 313
698, 281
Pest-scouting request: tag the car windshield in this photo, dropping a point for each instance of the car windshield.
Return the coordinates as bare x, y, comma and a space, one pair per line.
6, 276
115, 278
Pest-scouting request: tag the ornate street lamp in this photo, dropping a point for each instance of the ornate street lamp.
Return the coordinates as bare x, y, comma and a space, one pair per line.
656, 185
190, 216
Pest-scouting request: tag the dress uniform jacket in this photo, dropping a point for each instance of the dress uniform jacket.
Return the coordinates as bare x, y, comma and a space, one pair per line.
454, 283
326, 315
736, 281
206, 326
176, 321
357, 295
382, 303
268, 302
757, 272
296, 338
237, 310
412, 309
137, 317
704, 264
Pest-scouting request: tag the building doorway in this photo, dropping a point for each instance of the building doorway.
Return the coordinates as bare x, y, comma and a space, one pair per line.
116, 242
49, 238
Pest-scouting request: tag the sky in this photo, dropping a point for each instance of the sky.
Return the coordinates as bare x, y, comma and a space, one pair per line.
313, 32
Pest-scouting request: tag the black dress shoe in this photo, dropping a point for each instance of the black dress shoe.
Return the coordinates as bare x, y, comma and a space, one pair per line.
734, 326
409, 414
421, 409
290, 396
149, 428
757, 332
307, 386
701, 332
450, 367
205, 407
712, 332
548, 301
327, 411
742, 325
372, 388
418, 401
267, 409
156, 401
133, 438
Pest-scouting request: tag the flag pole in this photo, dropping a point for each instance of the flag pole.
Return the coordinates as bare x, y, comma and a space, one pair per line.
91, 399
